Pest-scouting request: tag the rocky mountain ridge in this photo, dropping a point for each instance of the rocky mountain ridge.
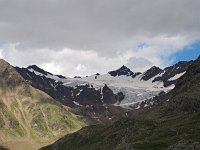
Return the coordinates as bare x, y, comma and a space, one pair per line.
122, 84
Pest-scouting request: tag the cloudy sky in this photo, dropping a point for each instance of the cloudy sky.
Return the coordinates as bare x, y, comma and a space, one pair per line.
82, 37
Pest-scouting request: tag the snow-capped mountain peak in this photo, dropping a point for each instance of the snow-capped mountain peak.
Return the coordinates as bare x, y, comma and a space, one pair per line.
152, 72
121, 71
39, 70
33, 69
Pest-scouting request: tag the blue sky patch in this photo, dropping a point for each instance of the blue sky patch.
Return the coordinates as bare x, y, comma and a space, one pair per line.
190, 52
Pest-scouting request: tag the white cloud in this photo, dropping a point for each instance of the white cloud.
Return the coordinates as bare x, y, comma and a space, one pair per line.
139, 63
153, 51
158, 49
67, 62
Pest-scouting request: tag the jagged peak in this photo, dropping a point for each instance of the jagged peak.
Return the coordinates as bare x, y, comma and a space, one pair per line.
151, 72
123, 67
180, 63
183, 63
38, 69
34, 67
154, 68
123, 70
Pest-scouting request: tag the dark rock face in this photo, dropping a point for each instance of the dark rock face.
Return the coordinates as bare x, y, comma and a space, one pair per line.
171, 71
55, 89
36, 68
60, 76
136, 74
77, 77
86, 95
109, 97
96, 75
152, 72
121, 71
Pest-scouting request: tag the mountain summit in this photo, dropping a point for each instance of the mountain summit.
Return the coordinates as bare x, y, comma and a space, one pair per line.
152, 72
39, 70
121, 71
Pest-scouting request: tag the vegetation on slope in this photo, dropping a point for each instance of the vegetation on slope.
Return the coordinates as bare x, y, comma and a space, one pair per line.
28, 113
132, 134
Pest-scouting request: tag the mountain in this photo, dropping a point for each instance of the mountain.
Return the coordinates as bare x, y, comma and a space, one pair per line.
172, 73
121, 71
136, 74
38, 107
39, 70
91, 103
150, 73
46, 82
82, 94
138, 86
87, 90
29, 118
185, 98
169, 121
96, 97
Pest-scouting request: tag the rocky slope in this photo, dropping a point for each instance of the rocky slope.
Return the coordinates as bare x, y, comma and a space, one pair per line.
29, 117
169, 121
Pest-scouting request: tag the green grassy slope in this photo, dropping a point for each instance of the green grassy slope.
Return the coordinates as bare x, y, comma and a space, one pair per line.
28, 115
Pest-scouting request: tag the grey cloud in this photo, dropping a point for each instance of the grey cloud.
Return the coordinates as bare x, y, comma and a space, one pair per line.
107, 27
99, 34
